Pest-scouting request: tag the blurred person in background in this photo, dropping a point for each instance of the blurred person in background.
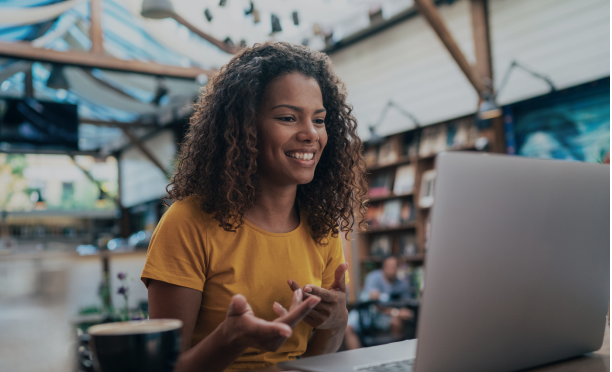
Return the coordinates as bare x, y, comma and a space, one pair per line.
268, 177
382, 285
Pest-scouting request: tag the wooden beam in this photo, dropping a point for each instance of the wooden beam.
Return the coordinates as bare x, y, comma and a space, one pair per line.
117, 124
431, 14
482, 50
95, 29
480, 30
92, 179
23, 50
220, 44
136, 142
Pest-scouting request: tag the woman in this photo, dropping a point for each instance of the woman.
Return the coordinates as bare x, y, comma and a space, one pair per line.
269, 174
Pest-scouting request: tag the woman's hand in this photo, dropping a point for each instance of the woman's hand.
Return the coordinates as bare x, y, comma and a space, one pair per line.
331, 312
244, 329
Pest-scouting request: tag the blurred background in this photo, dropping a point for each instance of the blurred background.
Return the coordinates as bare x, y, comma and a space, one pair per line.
95, 98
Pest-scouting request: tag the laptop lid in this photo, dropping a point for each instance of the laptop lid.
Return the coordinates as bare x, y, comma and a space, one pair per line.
517, 273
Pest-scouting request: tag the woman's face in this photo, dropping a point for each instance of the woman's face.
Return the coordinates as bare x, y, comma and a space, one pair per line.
290, 130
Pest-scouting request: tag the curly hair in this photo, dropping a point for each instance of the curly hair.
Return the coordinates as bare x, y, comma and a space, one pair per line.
218, 158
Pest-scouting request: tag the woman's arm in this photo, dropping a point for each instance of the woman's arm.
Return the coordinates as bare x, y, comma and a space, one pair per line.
175, 302
240, 330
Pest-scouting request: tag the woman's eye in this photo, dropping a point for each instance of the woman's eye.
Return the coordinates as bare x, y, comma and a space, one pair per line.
287, 119
320, 121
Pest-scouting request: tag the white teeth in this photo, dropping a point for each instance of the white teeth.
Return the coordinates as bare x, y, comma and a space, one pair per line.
301, 156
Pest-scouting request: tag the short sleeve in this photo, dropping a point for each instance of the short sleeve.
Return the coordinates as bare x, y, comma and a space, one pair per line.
176, 253
335, 258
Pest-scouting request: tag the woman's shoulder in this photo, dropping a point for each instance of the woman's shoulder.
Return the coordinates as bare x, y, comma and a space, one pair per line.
187, 210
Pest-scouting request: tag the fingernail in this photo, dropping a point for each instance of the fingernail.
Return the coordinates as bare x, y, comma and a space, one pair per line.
298, 293
290, 282
307, 289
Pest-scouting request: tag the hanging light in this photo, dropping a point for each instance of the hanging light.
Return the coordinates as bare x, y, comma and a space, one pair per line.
157, 9
229, 41
256, 18
296, 19
222, 2
488, 109
39, 202
161, 92
250, 10
57, 79
100, 202
208, 15
276, 26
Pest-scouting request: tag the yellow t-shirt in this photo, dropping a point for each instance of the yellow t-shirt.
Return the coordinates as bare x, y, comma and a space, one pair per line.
189, 249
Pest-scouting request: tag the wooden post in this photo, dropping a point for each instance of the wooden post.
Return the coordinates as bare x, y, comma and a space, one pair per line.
431, 14
480, 30
95, 29
482, 49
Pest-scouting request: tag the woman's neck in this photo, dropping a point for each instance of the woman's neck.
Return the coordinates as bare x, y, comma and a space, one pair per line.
275, 209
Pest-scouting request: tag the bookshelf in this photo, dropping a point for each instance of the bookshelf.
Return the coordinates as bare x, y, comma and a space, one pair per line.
398, 223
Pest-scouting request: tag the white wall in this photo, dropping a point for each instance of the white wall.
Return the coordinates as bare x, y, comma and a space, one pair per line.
409, 65
568, 40
141, 180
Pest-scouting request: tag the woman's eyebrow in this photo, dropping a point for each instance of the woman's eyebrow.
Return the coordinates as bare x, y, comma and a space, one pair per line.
298, 109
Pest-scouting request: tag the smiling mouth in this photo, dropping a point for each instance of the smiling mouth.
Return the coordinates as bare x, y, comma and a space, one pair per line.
300, 155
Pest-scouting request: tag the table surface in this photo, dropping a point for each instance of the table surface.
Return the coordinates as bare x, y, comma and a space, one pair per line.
598, 361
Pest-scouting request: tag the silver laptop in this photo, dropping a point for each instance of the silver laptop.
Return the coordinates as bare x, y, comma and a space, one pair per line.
517, 273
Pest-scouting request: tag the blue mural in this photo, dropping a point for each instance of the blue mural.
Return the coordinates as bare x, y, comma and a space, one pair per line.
571, 124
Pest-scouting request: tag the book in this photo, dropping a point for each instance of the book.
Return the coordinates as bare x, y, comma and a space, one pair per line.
381, 245
407, 244
410, 143
373, 214
433, 140
389, 151
461, 134
391, 213
426, 196
407, 212
404, 180
370, 156
380, 185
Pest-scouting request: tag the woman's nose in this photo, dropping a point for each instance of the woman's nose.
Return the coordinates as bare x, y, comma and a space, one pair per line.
308, 132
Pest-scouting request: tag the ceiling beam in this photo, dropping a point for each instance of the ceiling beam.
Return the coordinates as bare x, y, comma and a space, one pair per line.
480, 30
95, 30
218, 43
9, 150
431, 14
23, 50
136, 142
94, 181
118, 124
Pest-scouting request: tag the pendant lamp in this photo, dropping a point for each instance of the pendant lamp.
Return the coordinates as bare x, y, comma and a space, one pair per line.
488, 109
157, 9
57, 79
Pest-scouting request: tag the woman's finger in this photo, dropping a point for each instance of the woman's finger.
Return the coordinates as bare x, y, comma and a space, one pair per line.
326, 295
340, 277
296, 300
279, 309
298, 313
264, 329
